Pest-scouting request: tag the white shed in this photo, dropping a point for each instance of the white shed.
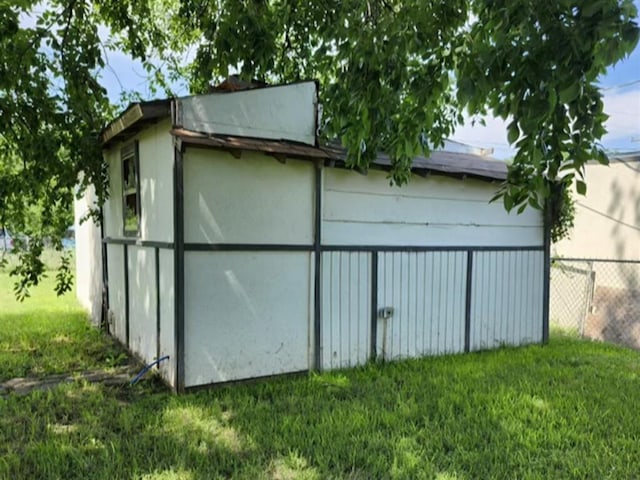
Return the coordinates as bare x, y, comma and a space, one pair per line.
238, 247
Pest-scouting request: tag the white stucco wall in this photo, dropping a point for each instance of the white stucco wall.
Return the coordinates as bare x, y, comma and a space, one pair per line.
167, 316
436, 211
607, 220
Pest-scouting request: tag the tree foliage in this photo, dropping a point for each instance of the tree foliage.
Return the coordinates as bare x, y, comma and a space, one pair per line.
395, 75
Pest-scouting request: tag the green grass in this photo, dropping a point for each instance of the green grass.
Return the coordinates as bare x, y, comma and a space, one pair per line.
47, 334
566, 410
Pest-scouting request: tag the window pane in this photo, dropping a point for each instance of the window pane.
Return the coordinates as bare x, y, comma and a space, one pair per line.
130, 188
131, 213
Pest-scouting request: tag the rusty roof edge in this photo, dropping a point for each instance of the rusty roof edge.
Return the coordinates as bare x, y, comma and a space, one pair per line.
480, 167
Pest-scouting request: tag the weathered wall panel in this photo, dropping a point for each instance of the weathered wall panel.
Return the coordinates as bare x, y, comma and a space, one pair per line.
427, 293
142, 303
117, 314
437, 211
346, 309
246, 315
507, 300
156, 185
252, 199
281, 112
167, 315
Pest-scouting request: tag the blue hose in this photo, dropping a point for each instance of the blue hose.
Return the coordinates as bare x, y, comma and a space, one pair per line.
147, 368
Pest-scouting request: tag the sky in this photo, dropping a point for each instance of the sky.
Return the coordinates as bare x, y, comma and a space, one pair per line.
621, 91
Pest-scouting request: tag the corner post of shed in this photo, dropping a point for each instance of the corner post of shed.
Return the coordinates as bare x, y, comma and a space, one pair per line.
178, 257
317, 257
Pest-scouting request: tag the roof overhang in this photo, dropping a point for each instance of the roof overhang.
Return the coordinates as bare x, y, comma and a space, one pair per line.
133, 119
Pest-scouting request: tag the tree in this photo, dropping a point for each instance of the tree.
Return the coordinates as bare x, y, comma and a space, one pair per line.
395, 76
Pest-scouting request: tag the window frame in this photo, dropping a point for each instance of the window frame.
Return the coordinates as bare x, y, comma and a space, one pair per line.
130, 153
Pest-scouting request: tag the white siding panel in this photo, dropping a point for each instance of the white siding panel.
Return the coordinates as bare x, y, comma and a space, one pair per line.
366, 210
281, 112
113, 205
380, 234
253, 199
246, 315
377, 183
427, 293
167, 316
346, 309
142, 303
412, 210
156, 183
115, 261
506, 301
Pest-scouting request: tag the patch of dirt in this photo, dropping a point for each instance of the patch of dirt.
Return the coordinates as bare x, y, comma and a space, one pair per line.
616, 317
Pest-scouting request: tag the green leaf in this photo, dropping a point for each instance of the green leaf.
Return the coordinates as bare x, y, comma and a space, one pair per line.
513, 133
508, 202
570, 93
581, 187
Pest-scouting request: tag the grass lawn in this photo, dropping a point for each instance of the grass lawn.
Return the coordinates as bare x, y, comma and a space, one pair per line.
47, 334
567, 410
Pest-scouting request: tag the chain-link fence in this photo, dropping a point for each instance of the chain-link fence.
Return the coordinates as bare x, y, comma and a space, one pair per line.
597, 299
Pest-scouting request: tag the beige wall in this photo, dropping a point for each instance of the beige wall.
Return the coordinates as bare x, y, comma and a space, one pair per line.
607, 223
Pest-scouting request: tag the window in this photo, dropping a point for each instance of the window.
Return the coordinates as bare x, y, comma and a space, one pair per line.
130, 189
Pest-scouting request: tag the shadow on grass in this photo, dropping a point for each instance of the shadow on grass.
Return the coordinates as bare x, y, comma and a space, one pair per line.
539, 412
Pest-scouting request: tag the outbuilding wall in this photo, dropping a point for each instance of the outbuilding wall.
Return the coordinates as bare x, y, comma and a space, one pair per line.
458, 273
455, 272
141, 268
248, 229
275, 283
433, 211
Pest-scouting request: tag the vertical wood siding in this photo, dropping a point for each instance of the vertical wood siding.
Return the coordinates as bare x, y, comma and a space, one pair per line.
506, 302
427, 293
346, 309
